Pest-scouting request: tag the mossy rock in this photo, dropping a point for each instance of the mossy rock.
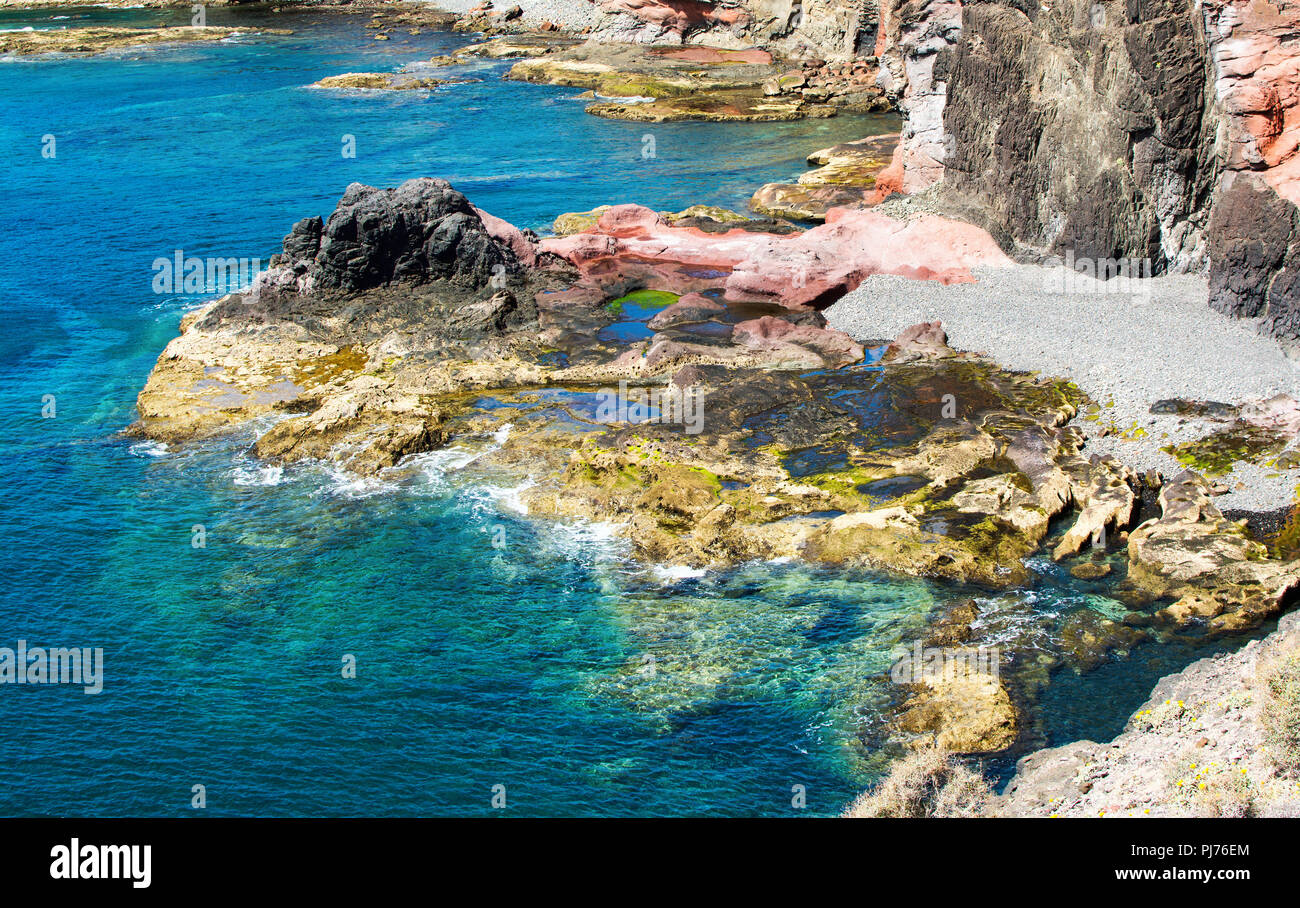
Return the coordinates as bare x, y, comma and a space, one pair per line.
1218, 452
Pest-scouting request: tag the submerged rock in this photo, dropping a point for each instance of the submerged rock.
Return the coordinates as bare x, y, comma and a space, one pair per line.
1090, 570
1206, 743
961, 711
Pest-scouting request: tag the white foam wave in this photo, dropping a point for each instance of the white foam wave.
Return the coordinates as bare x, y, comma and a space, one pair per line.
149, 449
629, 99
257, 476
585, 541
343, 484
436, 465
669, 574
505, 498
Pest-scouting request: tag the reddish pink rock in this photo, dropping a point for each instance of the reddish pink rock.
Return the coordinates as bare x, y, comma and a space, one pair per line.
633, 246
1255, 48
504, 232
811, 268
677, 15
628, 221
775, 334
889, 180
921, 341
1280, 412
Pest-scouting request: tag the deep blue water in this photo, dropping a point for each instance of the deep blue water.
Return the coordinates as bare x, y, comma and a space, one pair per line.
521, 666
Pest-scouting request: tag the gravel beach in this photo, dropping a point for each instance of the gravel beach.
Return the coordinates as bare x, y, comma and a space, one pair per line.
574, 14
1126, 347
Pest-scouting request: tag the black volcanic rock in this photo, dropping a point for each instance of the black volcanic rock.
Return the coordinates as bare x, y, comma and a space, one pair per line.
1250, 229
303, 241
424, 230
1082, 133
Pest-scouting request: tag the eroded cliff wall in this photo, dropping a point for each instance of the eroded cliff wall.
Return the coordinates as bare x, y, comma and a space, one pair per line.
1159, 133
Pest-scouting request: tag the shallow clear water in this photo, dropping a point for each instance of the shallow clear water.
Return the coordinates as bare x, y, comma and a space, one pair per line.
547, 664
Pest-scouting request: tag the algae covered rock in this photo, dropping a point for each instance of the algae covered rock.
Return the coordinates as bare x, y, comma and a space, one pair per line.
961, 711
1215, 573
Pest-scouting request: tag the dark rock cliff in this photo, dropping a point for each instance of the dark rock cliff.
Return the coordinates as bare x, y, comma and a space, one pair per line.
1162, 131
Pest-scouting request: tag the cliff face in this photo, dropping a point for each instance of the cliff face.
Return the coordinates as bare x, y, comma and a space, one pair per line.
1255, 226
1078, 126
1161, 133
1086, 128
1159, 130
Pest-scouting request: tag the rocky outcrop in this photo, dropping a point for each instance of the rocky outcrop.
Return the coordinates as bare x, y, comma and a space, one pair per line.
914, 47
1160, 134
848, 175
384, 82
419, 232
1204, 744
811, 268
1217, 576
705, 217
826, 29
657, 84
668, 21
97, 40
392, 275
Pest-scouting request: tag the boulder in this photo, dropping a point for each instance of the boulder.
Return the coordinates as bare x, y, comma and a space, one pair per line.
421, 231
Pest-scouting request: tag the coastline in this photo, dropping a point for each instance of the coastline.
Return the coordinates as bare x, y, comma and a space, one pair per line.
1125, 353
1213, 740
1126, 348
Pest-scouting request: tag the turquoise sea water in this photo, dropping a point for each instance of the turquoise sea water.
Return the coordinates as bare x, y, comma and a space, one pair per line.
523, 666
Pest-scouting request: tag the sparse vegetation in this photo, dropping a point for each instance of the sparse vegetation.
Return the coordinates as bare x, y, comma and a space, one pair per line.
1279, 713
1214, 790
927, 783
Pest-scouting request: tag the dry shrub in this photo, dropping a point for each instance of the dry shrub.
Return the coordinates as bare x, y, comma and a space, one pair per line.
1226, 794
926, 783
1279, 713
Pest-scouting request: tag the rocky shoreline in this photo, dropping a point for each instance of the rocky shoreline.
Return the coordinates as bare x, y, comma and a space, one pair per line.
1217, 739
745, 428
103, 39
859, 437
